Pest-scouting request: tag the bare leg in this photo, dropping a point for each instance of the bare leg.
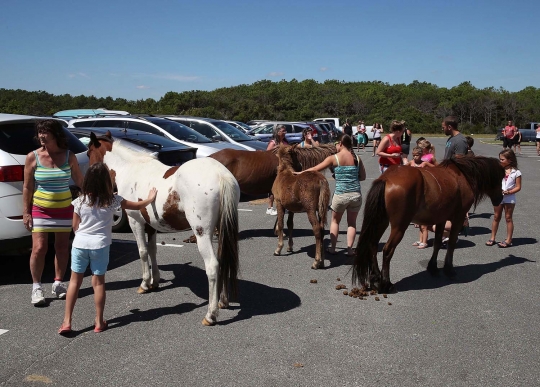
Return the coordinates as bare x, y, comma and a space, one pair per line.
270, 200
37, 257
497, 212
334, 230
71, 296
351, 230
61, 247
98, 283
508, 212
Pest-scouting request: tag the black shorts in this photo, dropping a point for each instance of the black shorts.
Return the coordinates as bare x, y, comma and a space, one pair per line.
405, 148
507, 142
537, 139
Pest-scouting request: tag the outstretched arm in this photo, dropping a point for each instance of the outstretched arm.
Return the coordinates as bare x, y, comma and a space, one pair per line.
127, 205
327, 162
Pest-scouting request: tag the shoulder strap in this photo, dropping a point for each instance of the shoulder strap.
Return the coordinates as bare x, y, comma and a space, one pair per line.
37, 158
337, 160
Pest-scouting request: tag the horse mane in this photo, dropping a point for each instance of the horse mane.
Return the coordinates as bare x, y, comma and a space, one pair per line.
309, 157
128, 150
482, 173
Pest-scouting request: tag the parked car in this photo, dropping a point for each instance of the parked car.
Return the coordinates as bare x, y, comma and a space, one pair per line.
17, 134
160, 126
169, 152
320, 131
220, 131
239, 125
84, 113
254, 123
265, 131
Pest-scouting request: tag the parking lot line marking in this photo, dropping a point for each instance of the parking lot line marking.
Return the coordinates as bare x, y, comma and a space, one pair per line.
170, 245
2, 331
242, 209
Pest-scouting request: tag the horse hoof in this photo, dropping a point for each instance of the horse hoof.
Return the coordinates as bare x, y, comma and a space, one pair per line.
223, 305
154, 287
317, 265
141, 290
289, 249
433, 270
277, 253
207, 323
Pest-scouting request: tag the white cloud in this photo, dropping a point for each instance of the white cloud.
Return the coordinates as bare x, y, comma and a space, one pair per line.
275, 74
142, 87
78, 75
323, 69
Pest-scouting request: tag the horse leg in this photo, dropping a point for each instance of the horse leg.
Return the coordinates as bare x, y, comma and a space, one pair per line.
396, 234
138, 232
290, 226
152, 253
279, 227
432, 265
452, 241
375, 277
315, 224
211, 265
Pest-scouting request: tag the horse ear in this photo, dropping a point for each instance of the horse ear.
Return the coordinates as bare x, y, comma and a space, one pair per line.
108, 135
94, 141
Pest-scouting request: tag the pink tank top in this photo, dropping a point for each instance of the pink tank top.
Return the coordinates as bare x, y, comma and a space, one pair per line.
428, 157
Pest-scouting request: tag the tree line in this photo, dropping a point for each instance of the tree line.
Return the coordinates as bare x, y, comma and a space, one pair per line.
422, 105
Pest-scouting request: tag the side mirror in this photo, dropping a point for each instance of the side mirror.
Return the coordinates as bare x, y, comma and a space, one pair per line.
216, 138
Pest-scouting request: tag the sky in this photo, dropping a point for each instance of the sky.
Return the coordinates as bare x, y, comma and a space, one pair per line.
143, 49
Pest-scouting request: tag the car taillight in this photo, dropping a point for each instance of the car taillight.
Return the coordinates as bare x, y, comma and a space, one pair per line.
11, 173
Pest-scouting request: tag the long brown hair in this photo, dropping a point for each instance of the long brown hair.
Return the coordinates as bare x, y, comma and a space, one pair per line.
97, 186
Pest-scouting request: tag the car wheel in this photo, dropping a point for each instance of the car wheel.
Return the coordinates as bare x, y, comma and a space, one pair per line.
120, 221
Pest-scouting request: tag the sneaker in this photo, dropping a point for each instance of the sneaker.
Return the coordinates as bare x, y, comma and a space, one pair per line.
271, 211
59, 290
37, 296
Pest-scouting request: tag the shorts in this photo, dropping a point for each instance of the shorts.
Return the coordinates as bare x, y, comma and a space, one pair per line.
98, 259
350, 201
537, 139
405, 148
507, 142
509, 199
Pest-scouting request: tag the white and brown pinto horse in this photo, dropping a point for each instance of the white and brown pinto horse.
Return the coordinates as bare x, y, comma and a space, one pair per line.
201, 194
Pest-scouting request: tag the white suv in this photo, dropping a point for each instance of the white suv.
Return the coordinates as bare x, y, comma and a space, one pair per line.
157, 125
16, 141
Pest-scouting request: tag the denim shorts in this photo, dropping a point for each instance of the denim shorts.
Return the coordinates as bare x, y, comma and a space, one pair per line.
98, 259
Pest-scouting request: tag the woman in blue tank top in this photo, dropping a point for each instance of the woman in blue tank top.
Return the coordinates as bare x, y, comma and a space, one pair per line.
349, 171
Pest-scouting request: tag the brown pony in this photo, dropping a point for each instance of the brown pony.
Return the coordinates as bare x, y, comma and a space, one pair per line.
308, 192
256, 171
424, 196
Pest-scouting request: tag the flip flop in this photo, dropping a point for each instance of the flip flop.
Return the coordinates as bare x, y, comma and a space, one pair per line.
64, 329
491, 242
99, 330
331, 252
504, 245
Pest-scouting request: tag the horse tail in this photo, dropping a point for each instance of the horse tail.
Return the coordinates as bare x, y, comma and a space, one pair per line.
324, 201
228, 235
374, 213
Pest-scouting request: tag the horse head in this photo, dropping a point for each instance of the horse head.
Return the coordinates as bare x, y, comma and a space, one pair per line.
288, 158
98, 146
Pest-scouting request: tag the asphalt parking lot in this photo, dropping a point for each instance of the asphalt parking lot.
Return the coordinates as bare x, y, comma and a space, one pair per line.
479, 329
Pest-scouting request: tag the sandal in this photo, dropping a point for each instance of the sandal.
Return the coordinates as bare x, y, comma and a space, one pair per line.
504, 245
102, 329
422, 245
64, 330
330, 251
417, 243
491, 242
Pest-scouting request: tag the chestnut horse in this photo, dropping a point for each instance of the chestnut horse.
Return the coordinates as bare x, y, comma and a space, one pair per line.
429, 196
201, 194
307, 192
256, 171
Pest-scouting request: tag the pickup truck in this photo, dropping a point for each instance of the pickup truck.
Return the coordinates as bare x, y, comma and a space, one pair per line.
336, 123
527, 134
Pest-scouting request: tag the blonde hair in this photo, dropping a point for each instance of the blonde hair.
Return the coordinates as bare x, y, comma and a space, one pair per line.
425, 144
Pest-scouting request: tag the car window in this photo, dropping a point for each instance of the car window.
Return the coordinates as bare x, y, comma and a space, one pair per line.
109, 124
18, 138
84, 124
298, 128
181, 132
231, 131
264, 129
144, 127
204, 129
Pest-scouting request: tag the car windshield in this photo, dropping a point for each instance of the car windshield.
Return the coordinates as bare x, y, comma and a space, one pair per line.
181, 132
231, 131
245, 126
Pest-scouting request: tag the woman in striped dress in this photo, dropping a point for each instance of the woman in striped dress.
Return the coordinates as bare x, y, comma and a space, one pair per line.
47, 203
